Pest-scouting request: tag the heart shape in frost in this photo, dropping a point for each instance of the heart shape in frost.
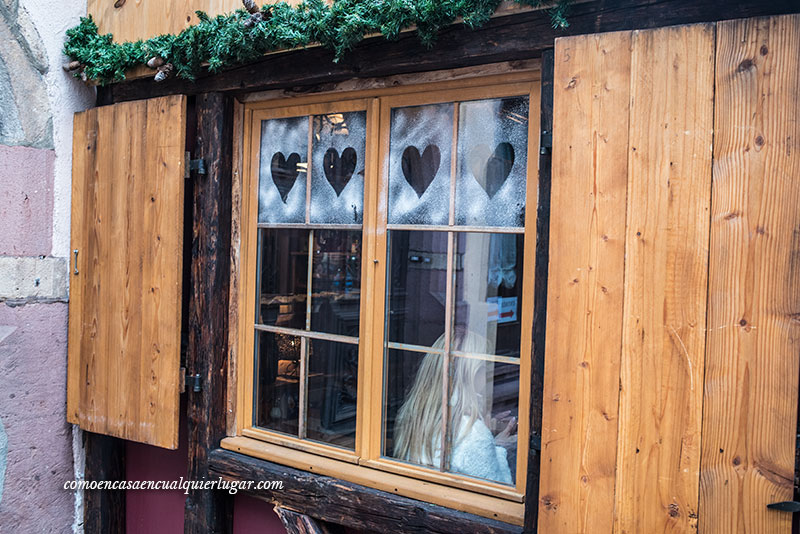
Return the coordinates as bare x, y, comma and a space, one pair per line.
284, 172
420, 170
491, 169
339, 170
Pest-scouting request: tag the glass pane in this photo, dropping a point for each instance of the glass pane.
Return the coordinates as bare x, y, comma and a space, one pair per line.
417, 286
419, 164
484, 405
284, 277
277, 382
493, 161
412, 407
337, 169
332, 385
282, 170
488, 289
336, 282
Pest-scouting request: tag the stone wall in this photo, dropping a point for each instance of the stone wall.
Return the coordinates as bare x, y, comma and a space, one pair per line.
37, 100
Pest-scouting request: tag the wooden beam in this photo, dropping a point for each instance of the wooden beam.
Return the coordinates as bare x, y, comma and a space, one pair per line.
104, 510
344, 503
521, 36
297, 523
540, 294
207, 510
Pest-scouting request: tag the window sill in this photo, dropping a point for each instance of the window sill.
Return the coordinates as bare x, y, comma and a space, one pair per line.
327, 475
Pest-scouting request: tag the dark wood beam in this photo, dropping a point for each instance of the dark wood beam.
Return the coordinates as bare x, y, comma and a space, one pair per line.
512, 37
209, 511
344, 503
297, 523
104, 510
540, 294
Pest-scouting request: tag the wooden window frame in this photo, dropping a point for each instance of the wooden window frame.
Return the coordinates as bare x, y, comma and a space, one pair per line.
365, 465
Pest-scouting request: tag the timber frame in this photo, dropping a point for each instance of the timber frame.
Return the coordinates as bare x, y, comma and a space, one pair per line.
504, 39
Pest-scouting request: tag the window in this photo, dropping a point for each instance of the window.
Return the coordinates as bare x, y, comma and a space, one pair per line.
386, 292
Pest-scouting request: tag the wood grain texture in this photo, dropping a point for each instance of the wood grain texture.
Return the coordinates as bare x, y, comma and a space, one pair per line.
585, 283
297, 523
752, 359
522, 36
539, 297
142, 19
125, 302
666, 276
104, 509
346, 503
209, 511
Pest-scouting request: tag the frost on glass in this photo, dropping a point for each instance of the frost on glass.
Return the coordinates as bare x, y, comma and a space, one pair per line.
282, 170
337, 167
419, 164
493, 159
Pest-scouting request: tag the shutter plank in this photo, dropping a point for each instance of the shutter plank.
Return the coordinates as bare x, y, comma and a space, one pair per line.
584, 305
125, 303
666, 271
753, 354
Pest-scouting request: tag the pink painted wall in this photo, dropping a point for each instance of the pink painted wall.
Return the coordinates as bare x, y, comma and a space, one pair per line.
161, 512
38, 458
26, 200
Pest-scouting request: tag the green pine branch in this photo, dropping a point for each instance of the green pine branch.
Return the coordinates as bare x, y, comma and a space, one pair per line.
224, 41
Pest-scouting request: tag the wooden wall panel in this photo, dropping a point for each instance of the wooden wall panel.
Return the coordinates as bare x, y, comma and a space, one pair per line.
753, 351
125, 299
142, 19
666, 271
591, 89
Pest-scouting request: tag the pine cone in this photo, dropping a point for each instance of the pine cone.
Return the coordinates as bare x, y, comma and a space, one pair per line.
155, 62
250, 6
164, 72
254, 19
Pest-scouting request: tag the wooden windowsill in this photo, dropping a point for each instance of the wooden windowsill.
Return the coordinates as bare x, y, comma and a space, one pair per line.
390, 483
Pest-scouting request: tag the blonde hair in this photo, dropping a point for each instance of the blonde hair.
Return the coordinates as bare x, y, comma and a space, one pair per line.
418, 429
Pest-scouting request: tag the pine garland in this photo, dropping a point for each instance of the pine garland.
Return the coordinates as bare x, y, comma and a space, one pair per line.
242, 36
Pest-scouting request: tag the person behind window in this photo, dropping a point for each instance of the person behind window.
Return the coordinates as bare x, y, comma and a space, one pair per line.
418, 428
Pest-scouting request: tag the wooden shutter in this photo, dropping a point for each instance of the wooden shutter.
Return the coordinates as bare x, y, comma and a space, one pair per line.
673, 340
125, 275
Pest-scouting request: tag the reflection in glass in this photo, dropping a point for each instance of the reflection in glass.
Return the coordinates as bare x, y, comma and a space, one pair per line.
332, 386
488, 288
277, 382
284, 277
336, 282
282, 170
484, 404
419, 164
337, 169
493, 160
483, 408
419, 400
417, 285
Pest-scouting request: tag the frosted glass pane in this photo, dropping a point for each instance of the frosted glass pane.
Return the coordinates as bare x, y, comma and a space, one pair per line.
337, 167
419, 164
493, 160
282, 170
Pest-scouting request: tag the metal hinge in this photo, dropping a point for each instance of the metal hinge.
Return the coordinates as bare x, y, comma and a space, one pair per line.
785, 506
190, 165
192, 382
545, 142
